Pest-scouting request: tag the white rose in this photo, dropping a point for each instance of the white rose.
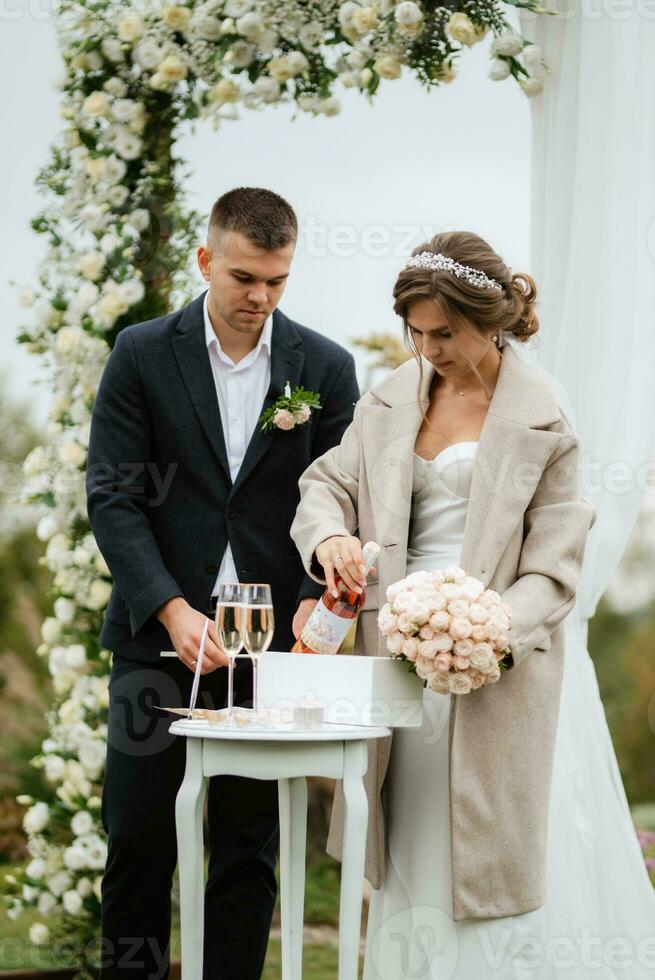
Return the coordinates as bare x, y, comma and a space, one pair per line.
176, 17
124, 110
499, 70
46, 527
82, 823
92, 756
59, 883
130, 28
98, 594
310, 35
85, 887
70, 713
36, 818
94, 167
364, 19
46, 904
72, 902
72, 453
347, 11
531, 86
237, 8
85, 297
508, 44
250, 25
64, 610
35, 869
26, 298
110, 307
240, 54
96, 104
280, 68
224, 91
139, 219
116, 86
532, 56
461, 28
147, 54
329, 107
90, 265
75, 656
64, 680
94, 216
132, 291
388, 66
356, 59
112, 49
50, 630
266, 88
75, 858
35, 462
128, 145
54, 768
96, 854
408, 14
39, 934
206, 27
172, 68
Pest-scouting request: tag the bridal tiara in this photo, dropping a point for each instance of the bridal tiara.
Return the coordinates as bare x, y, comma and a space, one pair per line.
435, 260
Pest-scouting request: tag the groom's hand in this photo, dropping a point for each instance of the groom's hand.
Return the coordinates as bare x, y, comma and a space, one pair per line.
185, 625
303, 612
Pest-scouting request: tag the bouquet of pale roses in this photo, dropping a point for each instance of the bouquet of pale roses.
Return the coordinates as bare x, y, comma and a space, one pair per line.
448, 627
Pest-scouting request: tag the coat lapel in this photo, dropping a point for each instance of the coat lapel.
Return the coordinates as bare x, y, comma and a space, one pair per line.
287, 362
193, 361
512, 453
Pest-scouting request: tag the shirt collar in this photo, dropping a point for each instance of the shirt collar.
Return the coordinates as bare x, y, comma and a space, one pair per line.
210, 337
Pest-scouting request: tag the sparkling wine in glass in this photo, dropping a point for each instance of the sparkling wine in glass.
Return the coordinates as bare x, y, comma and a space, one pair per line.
229, 610
257, 625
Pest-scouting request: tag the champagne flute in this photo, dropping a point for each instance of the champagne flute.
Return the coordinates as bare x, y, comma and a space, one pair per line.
257, 625
229, 609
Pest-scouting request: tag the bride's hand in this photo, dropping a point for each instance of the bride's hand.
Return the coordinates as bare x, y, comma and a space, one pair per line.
343, 555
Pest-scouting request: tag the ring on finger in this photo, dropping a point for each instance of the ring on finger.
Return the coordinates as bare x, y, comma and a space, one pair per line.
338, 558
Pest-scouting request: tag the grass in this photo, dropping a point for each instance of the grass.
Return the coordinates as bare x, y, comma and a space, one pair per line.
319, 961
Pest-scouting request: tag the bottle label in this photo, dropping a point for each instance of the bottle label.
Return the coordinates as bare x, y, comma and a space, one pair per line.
324, 631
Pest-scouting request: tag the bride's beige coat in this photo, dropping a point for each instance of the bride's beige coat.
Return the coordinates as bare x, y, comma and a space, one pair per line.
525, 535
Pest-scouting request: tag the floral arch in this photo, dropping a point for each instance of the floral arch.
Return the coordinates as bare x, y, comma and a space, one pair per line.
119, 239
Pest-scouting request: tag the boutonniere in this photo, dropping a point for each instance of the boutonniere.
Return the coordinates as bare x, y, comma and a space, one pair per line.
290, 409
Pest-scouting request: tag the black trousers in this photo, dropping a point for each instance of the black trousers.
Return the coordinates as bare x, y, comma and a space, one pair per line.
145, 766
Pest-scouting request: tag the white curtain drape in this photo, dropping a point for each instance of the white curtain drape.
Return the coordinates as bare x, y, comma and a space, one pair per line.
593, 252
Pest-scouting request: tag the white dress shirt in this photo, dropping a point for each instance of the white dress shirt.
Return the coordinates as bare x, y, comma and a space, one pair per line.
241, 389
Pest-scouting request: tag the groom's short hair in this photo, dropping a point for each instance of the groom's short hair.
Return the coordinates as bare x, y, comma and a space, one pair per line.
264, 217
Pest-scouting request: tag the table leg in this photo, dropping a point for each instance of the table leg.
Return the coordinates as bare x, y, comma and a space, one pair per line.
353, 858
293, 834
189, 806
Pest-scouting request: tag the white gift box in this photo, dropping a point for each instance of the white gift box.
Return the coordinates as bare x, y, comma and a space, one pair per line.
351, 689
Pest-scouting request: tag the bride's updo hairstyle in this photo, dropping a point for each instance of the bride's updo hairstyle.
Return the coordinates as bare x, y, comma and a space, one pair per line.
509, 310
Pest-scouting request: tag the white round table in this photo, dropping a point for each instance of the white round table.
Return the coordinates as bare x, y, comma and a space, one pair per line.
288, 755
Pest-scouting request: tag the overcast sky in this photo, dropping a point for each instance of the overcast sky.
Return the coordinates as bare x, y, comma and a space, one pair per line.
457, 157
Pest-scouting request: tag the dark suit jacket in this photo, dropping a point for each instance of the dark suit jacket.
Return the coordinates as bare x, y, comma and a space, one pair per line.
161, 502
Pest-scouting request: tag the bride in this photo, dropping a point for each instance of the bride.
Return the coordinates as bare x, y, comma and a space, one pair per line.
500, 842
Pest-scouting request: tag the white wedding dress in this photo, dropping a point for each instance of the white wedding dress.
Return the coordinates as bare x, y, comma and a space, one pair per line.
598, 921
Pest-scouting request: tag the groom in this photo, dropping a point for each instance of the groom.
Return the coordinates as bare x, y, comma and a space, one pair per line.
184, 492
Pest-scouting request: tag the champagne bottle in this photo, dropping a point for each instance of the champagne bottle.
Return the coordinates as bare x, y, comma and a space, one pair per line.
331, 618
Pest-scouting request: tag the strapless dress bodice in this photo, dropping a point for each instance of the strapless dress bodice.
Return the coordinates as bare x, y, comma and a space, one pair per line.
440, 492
